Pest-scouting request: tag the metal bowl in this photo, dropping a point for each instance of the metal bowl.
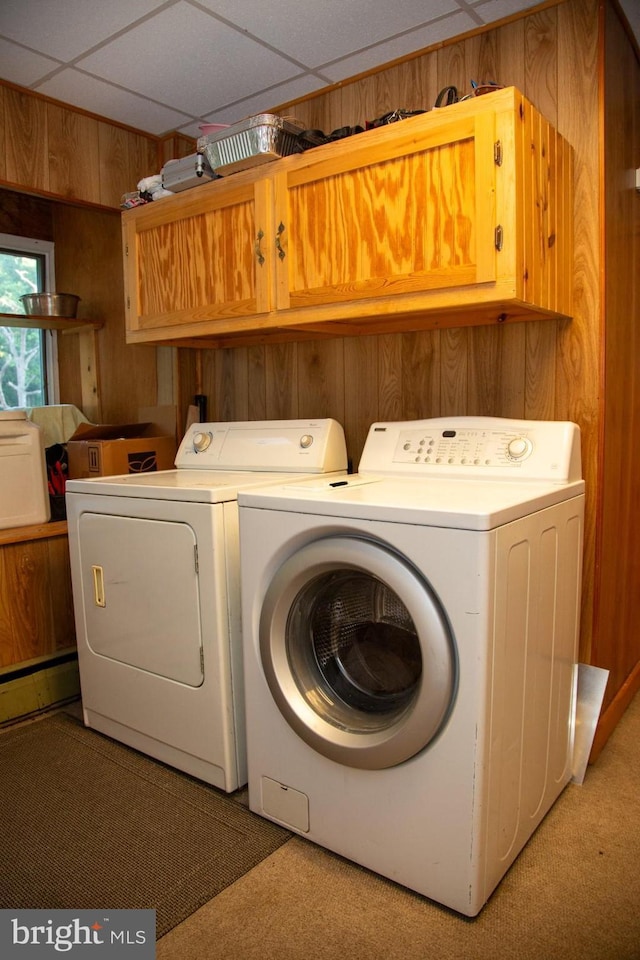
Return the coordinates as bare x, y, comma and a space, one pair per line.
50, 304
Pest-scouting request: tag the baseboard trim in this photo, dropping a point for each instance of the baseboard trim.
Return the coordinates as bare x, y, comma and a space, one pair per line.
35, 687
611, 716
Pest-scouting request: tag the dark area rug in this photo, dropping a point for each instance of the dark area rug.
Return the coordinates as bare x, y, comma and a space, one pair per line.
89, 823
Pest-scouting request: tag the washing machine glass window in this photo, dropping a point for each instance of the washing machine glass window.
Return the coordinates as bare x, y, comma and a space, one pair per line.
357, 652
362, 649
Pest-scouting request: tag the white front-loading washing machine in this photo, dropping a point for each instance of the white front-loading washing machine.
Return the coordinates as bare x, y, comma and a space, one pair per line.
156, 577
410, 647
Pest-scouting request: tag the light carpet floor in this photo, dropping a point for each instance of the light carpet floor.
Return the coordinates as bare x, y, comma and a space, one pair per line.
573, 894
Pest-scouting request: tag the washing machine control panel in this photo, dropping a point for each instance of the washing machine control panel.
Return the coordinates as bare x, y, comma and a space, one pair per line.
482, 447
469, 448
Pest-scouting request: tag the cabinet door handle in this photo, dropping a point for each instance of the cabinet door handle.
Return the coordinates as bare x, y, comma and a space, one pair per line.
98, 586
259, 253
281, 252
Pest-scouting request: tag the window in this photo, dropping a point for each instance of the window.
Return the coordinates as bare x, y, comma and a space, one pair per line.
28, 355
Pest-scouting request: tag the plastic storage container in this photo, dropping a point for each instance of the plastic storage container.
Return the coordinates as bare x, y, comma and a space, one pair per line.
24, 497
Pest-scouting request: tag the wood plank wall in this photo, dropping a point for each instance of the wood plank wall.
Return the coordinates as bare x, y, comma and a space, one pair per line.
616, 638
36, 605
89, 263
51, 149
537, 370
55, 151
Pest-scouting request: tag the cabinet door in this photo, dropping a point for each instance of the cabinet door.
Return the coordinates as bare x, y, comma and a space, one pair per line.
194, 260
400, 210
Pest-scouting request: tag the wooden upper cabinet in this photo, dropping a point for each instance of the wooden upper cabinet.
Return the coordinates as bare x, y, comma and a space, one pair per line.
462, 215
387, 216
193, 261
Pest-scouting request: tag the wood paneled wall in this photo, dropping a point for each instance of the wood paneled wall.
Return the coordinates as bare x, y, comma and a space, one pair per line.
36, 605
25, 216
536, 370
51, 149
89, 263
616, 635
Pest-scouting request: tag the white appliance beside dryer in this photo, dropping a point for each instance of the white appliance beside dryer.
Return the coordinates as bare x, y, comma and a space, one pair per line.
155, 574
410, 648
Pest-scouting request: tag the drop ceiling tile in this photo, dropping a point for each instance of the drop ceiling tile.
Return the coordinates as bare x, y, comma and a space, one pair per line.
497, 9
192, 129
73, 86
315, 32
219, 59
399, 47
22, 66
188, 60
264, 102
66, 28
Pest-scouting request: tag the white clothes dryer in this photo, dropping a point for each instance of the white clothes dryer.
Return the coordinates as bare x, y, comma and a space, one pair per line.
410, 648
156, 578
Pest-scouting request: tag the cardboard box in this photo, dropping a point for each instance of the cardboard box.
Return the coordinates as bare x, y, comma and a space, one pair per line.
104, 450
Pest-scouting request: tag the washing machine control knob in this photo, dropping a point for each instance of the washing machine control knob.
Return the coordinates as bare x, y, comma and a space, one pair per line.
518, 448
201, 441
306, 441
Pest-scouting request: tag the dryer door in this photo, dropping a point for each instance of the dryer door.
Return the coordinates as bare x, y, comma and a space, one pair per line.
357, 652
140, 588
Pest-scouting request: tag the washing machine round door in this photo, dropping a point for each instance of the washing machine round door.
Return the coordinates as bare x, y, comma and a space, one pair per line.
357, 652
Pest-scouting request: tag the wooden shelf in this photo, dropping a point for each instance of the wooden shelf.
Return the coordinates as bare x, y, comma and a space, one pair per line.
65, 324
38, 531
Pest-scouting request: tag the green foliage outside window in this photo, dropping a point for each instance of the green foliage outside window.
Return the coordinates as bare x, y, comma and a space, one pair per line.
21, 367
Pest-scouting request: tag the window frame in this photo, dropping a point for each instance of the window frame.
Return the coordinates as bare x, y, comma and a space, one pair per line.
14, 243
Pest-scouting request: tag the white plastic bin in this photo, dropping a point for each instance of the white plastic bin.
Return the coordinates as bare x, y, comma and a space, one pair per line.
24, 494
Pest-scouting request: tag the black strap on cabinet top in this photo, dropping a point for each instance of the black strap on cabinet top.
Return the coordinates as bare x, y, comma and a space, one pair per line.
447, 96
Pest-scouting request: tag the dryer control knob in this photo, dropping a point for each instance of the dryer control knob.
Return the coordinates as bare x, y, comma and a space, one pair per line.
306, 441
518, 448
201, 441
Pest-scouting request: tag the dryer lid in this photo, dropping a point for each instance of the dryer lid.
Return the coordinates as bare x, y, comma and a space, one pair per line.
195, 486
